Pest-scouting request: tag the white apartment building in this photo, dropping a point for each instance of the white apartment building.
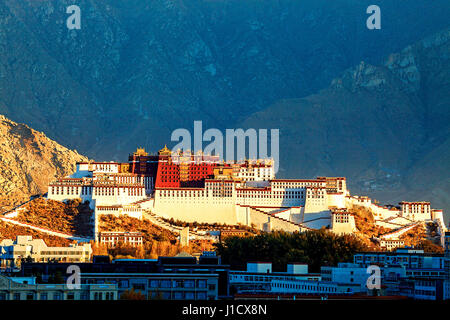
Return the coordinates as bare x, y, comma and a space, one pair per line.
406, 257
12, 288
304, 287
259, 277
11, 252
446, 289
349, 276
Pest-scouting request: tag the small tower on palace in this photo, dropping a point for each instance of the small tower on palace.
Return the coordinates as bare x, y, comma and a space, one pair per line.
342, 221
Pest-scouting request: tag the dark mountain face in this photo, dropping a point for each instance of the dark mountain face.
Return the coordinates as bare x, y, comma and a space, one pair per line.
385, 127
139, 69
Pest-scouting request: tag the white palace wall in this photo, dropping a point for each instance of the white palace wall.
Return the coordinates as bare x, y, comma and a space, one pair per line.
317, 220
198, 204
99, 195
336, 200
194, 206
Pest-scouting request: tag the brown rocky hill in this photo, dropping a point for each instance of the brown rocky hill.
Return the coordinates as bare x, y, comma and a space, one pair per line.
11, 231
423, 236
71, 216
29, 161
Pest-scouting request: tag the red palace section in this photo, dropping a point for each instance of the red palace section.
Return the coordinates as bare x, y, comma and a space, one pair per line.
171, 170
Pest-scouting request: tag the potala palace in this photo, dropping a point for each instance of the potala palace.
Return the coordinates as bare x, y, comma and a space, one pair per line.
197, 187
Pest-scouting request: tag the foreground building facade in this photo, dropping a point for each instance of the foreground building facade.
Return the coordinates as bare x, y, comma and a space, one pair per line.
168, 278
12, 288
404, 274
25, 247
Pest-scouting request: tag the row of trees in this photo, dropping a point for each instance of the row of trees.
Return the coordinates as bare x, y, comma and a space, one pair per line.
150, 250
316, 248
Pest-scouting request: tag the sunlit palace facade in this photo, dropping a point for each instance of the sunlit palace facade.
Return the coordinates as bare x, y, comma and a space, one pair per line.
197, 187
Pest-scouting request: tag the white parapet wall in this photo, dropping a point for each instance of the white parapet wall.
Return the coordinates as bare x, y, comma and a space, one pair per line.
393, 222
438, 217
267, 222
397, 233
379, 212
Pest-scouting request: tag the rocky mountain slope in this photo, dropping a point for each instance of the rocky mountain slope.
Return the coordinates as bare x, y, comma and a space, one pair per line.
11, 231
385, 127
137, 69
28, 161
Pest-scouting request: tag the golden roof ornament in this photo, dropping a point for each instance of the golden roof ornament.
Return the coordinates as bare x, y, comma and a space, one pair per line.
164, 151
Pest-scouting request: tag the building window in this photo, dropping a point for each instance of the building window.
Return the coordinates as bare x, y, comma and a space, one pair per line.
201, 295
124, 284
30, 296
154, 283
109, 296
189, 296
166, 295
98, 296
16, 296
71, 296
178, 295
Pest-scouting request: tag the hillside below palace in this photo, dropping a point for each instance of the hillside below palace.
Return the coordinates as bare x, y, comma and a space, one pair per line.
195, 187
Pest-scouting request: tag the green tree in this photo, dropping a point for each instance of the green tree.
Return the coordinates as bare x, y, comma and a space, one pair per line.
316, 248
